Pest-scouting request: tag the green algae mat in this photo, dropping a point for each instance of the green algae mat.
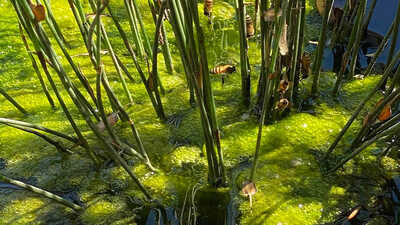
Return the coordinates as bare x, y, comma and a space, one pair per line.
292, 190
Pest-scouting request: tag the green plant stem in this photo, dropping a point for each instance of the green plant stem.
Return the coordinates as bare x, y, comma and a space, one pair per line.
12, 101
362, 104
321, 46
37, 127
41, 192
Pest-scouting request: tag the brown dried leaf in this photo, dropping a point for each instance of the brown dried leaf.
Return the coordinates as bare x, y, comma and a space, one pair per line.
386, 112
39, 11
150, 83
354, 213
283, 45
272, 76
269, 14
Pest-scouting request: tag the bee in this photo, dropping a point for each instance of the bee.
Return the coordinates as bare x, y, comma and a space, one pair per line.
305, 62
39, 11
112, 119
249, 27
283, 86
208, 7
223, 70
282, 104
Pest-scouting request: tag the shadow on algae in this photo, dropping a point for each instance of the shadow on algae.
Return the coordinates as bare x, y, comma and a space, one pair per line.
291, 188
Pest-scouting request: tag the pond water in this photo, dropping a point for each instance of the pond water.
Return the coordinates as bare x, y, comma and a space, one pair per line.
383, 16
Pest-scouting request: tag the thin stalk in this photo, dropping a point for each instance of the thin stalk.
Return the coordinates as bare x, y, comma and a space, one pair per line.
36, 68
379, 51
138, 15
55, 143
275, 49
338, 33
359, 35
355, 34
390, 131
207, 90
135, 31
374, 114
37, 127
41, 192
54, 23
362, 104
116, 64
165, 46
321, 46
156, 105
244, 66
12, 101
39, 37
296, 44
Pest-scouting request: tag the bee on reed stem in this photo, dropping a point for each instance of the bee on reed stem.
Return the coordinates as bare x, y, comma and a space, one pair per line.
283, 86
208, 7
249, 27
282, 104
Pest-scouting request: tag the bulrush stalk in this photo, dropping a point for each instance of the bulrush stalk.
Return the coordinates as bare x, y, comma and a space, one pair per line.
12, 101
360, 33
193, 55
279, 22
295, 52
207, 90
316, 70
41, 192
385, 75
37, 127
165, 44
244, 65
36, 68
113, 98
40, 40
350, 49
392, 130
102, 80
156, 105
59, 146
52, 20
379, 51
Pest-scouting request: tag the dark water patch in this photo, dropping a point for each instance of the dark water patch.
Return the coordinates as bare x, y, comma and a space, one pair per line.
3, 163
382, 17
162, 216
385, 209
72, 196
211, 206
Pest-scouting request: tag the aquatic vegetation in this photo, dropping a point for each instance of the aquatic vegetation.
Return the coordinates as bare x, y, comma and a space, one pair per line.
132, 92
